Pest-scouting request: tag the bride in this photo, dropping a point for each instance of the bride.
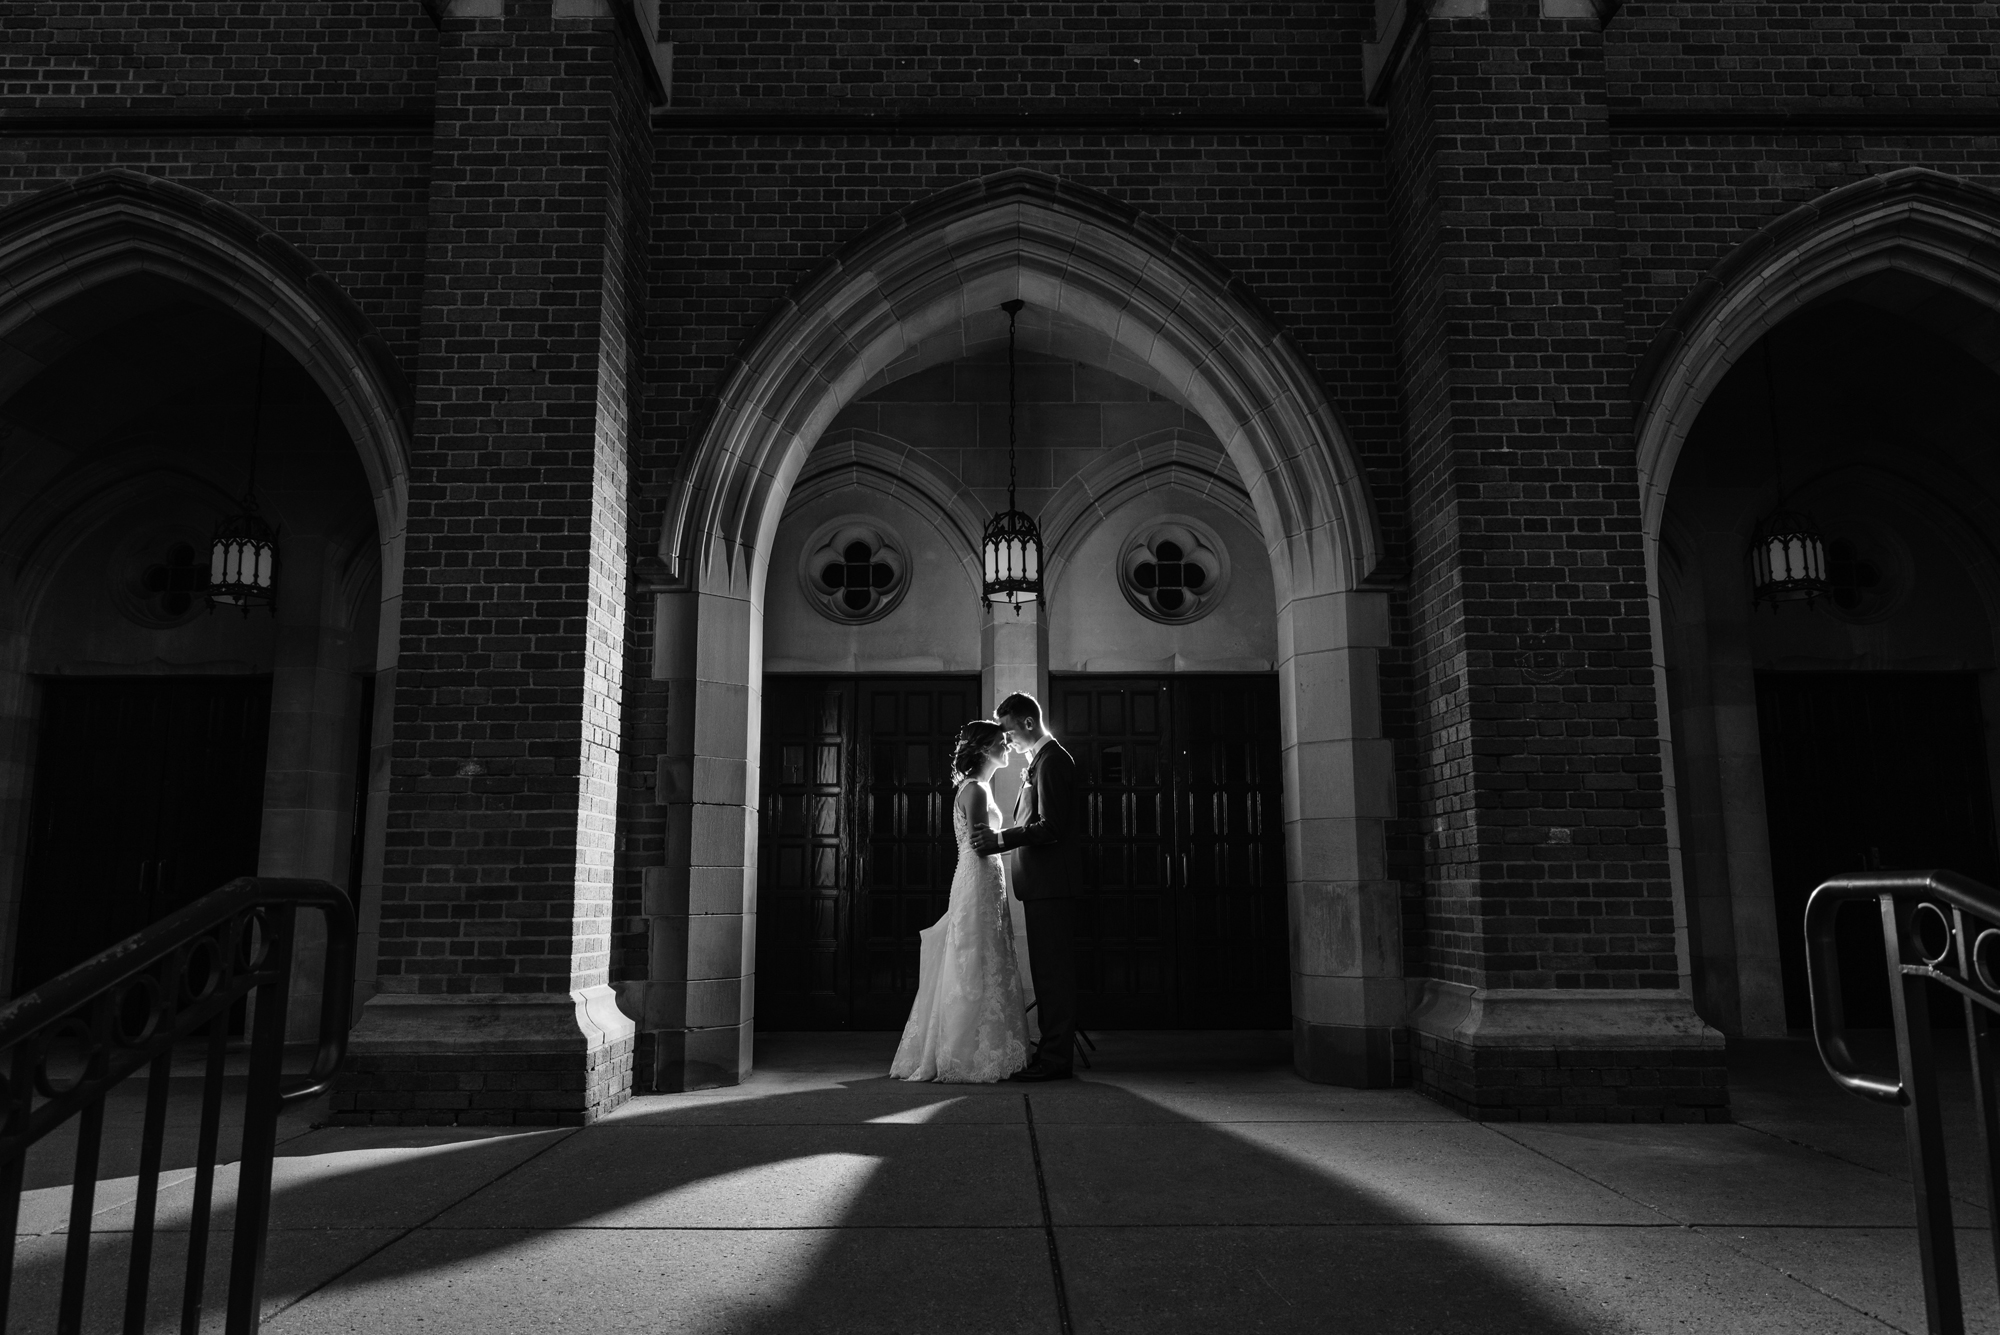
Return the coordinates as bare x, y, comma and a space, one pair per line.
968, 1024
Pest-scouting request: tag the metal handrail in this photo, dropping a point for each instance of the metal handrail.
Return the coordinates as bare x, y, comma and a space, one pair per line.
1937, 927
65, 1045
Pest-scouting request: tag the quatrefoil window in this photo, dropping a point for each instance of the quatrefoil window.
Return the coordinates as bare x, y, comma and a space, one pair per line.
854, 570
1173, 570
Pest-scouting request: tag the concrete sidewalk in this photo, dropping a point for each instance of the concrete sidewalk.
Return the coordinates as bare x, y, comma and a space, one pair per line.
1191, 1183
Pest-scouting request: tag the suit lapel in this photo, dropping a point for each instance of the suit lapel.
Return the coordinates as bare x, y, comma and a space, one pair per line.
1024, 801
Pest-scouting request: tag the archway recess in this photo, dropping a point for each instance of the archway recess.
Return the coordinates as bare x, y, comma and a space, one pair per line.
57, 249
1916, 243
1157, 312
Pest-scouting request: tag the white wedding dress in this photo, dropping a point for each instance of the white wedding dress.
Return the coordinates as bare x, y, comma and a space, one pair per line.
968, 1024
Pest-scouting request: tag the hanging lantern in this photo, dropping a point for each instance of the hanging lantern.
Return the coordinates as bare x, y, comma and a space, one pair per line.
243, 557
243, 562
1787, 560
1013, 542
1013, 559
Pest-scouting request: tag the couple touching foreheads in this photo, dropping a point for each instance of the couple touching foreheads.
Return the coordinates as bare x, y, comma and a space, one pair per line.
969, 1023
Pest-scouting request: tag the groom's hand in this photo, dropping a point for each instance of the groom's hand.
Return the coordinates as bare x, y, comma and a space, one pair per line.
985, 842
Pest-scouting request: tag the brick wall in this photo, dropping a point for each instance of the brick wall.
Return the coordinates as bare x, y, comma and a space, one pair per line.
507, 702
236, 55
1540, 777
1668, 53
861, 54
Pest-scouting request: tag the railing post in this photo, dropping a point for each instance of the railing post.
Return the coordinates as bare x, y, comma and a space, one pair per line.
260, 1126
1923, 1129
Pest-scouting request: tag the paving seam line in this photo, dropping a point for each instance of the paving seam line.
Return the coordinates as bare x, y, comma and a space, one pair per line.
360, 1261
1048, 1219
1972, 1198
1701, 1231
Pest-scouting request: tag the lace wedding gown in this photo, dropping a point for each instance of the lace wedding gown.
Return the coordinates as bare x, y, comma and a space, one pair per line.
967, 1024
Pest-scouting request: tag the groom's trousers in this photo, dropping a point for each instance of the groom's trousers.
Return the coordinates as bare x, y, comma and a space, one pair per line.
1051, 927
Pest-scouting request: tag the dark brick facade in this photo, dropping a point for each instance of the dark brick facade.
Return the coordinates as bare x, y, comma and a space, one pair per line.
1474, 266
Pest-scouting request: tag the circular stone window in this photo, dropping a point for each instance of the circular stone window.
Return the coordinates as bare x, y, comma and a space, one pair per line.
1867, 570
1173, 569
159, 576
854, 570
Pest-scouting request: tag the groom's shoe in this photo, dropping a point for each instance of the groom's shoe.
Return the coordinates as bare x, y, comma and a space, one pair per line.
1038, 1070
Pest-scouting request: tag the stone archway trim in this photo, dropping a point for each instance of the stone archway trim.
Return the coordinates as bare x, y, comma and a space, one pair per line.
75, 236
885, 464
1165, 458
1073, 252
1915, 219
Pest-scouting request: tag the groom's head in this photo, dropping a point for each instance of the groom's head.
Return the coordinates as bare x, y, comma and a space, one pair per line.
1020, 716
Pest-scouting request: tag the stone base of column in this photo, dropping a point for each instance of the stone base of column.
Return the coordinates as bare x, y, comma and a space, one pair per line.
486, 1061
1358, 1056
1518, 1055
684, 1059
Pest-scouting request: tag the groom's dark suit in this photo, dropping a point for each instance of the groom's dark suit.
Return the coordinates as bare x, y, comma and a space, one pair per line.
1046, 841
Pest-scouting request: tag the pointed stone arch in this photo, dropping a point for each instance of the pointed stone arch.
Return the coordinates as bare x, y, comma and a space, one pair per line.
1916, 220
1151, 307
1913, 222
68, 240
74, 237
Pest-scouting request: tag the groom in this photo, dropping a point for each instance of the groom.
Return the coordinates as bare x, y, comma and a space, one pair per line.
1046, 840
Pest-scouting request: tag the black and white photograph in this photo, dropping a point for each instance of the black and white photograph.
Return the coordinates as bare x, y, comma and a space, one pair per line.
901, 667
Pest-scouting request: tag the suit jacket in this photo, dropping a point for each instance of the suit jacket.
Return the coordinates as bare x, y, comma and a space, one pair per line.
1046, 839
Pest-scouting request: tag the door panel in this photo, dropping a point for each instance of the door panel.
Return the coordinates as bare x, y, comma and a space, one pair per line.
148, 794
803, 853
1235, 968
855, 850
1118, 730
1185, 924
1868, 770
906, 862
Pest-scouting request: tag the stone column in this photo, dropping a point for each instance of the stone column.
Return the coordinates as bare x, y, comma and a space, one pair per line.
1557, 985
1743, 817
1013, 656
308, 766
1348, 1001
696, 1008
495, 1004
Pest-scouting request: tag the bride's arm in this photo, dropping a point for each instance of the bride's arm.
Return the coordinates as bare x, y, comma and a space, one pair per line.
979, 811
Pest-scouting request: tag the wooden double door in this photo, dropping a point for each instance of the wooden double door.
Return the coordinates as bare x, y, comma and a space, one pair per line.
1183, 925
1863, 771
148, 794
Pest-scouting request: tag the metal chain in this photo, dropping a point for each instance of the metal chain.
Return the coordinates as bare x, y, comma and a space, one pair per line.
1012, 312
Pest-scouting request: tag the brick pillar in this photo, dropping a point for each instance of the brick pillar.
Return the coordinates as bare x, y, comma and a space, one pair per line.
494, 1004
1558, 983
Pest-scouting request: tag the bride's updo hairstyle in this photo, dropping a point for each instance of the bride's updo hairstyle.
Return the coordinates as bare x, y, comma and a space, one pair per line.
974, 740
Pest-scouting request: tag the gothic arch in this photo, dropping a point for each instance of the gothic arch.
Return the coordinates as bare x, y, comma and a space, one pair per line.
74, 237
1144, 304
1159, 302
1912, 223
68, 240
1916, 220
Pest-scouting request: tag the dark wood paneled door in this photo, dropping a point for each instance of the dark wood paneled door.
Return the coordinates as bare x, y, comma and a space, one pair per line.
148, 794
1867, 770
1185, 923
855, 849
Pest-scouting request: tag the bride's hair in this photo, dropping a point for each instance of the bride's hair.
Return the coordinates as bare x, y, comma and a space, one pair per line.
974, 740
